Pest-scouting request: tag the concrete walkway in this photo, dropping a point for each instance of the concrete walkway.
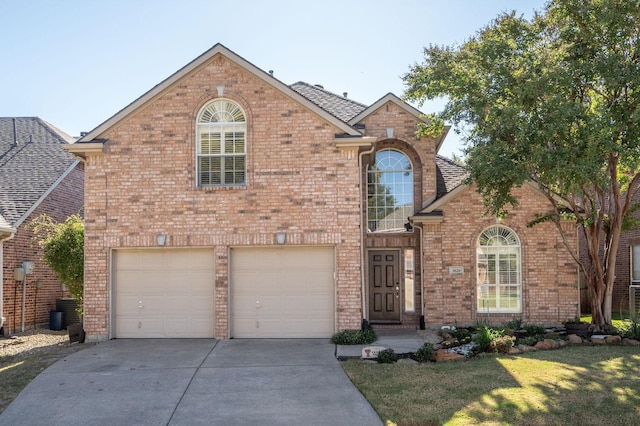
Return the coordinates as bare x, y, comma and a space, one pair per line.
400, 340
194, 382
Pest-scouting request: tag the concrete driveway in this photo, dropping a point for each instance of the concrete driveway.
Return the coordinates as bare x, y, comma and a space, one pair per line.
194, 382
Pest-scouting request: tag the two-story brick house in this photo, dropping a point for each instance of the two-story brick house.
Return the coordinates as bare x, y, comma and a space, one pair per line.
225, 203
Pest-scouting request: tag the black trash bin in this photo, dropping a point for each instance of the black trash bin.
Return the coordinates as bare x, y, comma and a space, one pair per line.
56, 320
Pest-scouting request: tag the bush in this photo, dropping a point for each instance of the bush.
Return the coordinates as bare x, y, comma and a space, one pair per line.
387, 356
485, 336
462, 334
514, 324
534, 329
529, 340
425, 353
630, 329
502, 344
354, 337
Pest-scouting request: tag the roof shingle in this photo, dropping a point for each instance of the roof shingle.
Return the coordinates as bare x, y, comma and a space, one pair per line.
338, 106
31, 160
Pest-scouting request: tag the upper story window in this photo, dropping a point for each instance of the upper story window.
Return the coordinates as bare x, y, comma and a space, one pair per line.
389, 192
221, 144
499, 267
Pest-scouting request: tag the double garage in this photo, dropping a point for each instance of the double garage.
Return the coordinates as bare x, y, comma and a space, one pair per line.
281, 292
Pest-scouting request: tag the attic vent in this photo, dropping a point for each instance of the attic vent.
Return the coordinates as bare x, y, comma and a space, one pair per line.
271, 73
319, 85
634, 301
83, 134
344, 94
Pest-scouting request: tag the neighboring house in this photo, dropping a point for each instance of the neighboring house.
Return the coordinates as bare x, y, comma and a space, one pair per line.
224, 203
36, 176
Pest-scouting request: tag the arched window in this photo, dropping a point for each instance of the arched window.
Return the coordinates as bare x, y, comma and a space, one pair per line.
221, 144
499, 277
389, 192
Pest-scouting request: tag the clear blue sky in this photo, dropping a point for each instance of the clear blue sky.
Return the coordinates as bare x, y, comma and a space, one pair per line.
76, 63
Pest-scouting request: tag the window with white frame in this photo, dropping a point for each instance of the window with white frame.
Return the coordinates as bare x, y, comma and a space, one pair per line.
389, 192
499, 277
221, 144
635, 265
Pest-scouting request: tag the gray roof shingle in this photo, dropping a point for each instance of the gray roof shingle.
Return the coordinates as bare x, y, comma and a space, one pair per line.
30, 167
338, 106
449, 175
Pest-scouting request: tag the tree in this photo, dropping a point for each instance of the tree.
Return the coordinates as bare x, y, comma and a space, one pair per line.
63, 250
553, 100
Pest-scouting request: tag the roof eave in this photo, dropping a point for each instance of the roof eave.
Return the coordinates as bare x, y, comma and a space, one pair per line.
84, 149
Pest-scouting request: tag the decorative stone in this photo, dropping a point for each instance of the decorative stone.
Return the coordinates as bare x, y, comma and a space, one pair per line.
552, 343
613, 340
630, 342
526, 348
371, 352
574, 339
598, 341
543, 345
561, 343
514, 351
443, 355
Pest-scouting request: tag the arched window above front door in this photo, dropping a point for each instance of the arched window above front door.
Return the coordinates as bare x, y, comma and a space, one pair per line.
389, 192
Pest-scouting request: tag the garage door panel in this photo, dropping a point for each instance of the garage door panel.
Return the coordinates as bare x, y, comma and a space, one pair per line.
295, 288
175, 286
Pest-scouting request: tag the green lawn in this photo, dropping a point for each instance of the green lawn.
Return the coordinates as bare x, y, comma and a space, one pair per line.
581, 385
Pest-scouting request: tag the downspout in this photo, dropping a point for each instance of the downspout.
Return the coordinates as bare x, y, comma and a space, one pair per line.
363, 233
421, 269
2, 240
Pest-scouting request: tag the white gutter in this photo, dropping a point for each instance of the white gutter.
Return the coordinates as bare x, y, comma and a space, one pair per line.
363, 233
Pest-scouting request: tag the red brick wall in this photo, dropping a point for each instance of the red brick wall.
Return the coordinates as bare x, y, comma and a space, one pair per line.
549, 275
297, 182
43, 288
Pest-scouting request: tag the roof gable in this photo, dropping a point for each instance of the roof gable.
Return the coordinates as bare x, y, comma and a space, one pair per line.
32, 161
201, 60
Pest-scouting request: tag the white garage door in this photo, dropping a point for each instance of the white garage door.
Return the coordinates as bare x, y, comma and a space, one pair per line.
282, 292
163, 293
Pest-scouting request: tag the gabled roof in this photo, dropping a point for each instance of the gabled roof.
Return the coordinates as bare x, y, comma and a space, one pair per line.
339, 106
449, 175
32, 161
218, 49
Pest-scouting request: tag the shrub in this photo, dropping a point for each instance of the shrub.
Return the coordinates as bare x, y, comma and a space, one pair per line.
354, 337
485, 336
630, 329
502, 344
529, 340
534, 329
387, 356
514, 324
462, 334
425, 353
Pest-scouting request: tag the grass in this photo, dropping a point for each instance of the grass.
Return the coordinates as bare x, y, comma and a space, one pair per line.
581, 385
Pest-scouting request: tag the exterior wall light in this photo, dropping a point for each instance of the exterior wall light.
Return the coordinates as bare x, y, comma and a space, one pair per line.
220, 90
161, 239
281, 237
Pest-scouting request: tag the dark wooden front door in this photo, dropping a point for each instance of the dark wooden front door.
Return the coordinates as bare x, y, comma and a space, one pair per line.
384, 286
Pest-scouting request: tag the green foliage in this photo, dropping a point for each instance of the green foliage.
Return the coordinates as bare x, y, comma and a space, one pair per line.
354, 337
63, 250
387, 356
534, 329
485, 335
425, 353
514, 324
529, 340
553, 101
462, 334
630, 329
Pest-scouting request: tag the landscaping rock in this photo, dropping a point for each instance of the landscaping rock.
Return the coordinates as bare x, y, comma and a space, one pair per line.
598, 341
526, 348
543, 345
613, 340
630, 342
561, 343
514, 351
443, 355
552, 343
574, 339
